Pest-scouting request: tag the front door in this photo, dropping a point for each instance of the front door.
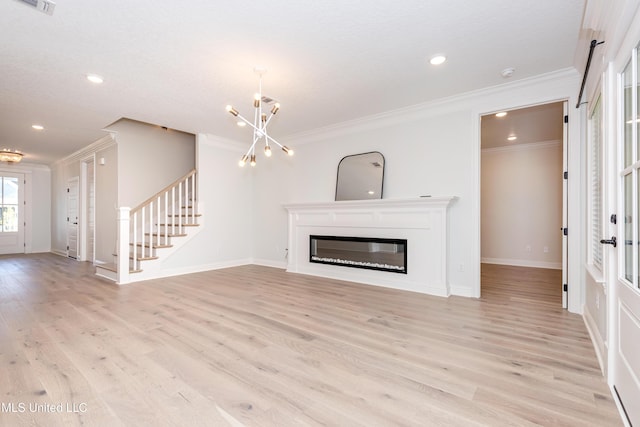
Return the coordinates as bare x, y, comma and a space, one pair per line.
72, 217
625, 306
11, 213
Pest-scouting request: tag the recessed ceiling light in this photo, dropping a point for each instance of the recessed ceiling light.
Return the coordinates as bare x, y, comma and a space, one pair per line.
94, 78
241, 123
501, 114
37, 127
371, 192
437, 60
512, 138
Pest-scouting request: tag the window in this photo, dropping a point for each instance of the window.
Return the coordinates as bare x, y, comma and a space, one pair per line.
595, 185
9, 204
629, 175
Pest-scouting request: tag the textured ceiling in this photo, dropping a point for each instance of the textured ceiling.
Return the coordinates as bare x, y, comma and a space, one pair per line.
177, 64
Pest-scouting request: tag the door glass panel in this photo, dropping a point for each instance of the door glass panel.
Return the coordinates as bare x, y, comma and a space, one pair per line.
10, 191
628, 115
9, 218
8, 204
628, 227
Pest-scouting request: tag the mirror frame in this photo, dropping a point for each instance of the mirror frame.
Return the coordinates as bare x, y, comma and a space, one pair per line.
381, 178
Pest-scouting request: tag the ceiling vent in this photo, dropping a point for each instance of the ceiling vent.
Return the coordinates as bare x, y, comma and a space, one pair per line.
267, 100
45, 6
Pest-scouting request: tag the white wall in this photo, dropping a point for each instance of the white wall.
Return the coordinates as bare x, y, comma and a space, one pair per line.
522, 205
149, 158
429, 149
106, 202
225, 191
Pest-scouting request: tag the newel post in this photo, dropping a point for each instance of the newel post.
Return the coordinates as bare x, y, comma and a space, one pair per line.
123, 245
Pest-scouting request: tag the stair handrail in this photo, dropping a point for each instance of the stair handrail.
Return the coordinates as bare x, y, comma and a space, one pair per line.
167, 188
171, 209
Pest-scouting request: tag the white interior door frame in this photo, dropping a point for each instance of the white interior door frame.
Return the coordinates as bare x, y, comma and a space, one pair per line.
73, 190
86, 217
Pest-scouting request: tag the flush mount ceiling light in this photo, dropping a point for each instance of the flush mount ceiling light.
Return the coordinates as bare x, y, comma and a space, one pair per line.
37, 127
507, 72
259, 125
437, 60
501, 114
10, 156
512, 137
94, 78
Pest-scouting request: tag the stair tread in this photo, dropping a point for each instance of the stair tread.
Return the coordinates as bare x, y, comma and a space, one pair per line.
153, 246
176, 225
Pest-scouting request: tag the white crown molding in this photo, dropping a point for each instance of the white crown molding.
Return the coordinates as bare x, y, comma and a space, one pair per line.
419, 111
104, 142
219, 142
523, 147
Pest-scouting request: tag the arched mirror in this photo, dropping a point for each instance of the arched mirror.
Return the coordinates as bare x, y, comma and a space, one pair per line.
360, 176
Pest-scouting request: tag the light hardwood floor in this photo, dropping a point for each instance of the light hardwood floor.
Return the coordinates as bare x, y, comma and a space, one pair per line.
257, 346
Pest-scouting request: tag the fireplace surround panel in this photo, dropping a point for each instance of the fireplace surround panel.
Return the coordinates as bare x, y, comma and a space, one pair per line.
421, 221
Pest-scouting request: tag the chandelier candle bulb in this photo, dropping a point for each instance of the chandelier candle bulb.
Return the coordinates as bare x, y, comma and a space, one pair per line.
275, 109
253, 160
232, 110
256, 100
243, 160
267, 151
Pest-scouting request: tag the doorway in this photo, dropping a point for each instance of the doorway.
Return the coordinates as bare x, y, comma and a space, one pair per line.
523, 194
72, 217
12, 213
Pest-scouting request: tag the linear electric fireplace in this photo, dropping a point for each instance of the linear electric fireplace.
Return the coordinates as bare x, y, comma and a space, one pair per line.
359, 252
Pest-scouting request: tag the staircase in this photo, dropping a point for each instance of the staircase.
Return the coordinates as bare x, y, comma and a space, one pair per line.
154, 230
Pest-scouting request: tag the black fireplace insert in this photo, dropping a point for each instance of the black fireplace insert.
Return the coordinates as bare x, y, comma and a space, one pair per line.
360, 252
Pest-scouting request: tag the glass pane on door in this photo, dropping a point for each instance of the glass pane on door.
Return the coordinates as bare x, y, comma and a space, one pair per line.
628, 227
8, 204
629, 119
10, 191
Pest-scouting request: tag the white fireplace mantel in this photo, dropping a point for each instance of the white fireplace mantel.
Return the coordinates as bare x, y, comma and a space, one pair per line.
422, 221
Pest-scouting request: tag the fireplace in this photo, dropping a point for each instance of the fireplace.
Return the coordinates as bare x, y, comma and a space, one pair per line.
420, 220
359, 252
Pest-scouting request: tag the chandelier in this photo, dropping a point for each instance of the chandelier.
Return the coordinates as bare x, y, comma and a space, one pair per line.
7, 155
260, 122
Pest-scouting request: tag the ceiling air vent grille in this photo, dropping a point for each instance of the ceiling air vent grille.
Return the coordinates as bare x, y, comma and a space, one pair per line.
46, 6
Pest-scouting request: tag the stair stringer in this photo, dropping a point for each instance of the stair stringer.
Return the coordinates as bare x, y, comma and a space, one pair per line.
152, 269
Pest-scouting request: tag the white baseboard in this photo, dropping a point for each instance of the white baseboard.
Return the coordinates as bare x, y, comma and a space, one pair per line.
596, 339
271, 263
522, 263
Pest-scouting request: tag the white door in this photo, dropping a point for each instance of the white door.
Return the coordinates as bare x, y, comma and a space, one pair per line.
72, 217
625, 316
11, 213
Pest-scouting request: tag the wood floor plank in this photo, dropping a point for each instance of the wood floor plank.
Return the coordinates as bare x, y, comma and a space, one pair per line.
256, 346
